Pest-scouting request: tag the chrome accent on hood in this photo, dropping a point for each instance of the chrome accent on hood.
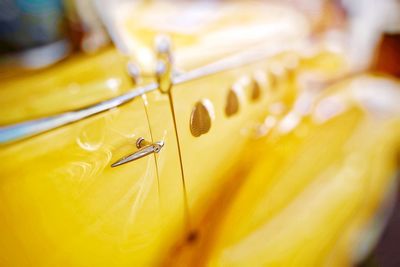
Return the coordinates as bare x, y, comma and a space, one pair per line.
19, 131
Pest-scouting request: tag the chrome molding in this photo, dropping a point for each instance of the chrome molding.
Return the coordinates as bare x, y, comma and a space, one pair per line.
252, 55
19, 131
30, 128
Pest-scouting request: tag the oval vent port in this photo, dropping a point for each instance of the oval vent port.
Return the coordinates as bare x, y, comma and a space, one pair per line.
255, 90
201, 118
232, 103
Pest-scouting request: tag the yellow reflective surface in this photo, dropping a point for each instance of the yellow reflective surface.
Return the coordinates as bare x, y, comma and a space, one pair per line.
74, 83
293, 172
62, 204
309, 198
313, 191
293, 175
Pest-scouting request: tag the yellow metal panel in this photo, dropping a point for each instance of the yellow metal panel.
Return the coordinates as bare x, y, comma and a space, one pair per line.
208, 158
309, 198
79, 81
306, 192
174, 214
61, 204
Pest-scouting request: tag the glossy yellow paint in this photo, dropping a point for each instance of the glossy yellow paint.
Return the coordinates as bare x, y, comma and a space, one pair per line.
207, 159
65, 201
76, 82
62, 204
313, 194
173, 202
292, 179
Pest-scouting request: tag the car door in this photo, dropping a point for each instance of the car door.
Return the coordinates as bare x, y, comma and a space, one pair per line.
61, 202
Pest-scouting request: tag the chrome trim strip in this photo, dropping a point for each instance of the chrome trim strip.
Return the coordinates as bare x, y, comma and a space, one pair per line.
254, 54
15, 132
30, 128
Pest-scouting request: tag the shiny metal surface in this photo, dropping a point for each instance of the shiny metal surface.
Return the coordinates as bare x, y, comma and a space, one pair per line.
164, 69
15, 132
134, 72
257, 53
142, 152
97, 199
30, 128
141, 142
315, 171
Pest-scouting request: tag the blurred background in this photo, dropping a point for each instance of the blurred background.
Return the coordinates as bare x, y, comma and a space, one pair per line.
370, 29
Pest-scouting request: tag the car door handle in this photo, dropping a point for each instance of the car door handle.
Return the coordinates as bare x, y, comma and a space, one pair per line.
145, 149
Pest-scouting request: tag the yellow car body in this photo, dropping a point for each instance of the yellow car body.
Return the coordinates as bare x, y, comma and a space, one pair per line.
269, 173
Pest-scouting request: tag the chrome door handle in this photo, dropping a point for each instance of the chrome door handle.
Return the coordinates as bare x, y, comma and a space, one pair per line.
145, 149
